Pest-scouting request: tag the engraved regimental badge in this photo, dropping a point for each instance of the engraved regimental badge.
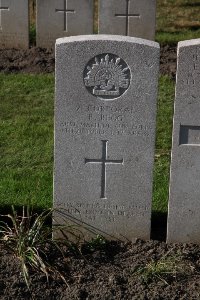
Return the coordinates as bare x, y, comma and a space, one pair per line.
107, 76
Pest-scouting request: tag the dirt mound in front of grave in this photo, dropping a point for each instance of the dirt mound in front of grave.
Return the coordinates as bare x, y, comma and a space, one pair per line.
38, 60
112, 270
33, 60
168, 60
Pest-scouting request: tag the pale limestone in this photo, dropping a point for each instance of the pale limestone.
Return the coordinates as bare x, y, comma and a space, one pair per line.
128, 17
184, 199
105, 115
53, 23
14, 24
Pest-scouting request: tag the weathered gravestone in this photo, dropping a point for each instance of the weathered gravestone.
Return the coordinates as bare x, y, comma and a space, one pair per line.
60, 18
105, 113
128, 17
14, 24
184, 201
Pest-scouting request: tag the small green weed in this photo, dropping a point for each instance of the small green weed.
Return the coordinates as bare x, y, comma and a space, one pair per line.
164, 269
97, 243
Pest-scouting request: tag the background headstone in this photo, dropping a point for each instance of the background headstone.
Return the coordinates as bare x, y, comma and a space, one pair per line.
105, 114
60, 18
184, 201
128, 17
14, 24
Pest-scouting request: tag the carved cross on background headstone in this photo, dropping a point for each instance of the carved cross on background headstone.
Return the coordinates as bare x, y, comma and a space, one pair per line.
104, 161
1, 9
65, 11
127, 15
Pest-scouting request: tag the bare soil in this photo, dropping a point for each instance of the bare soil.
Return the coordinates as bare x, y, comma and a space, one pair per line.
113, 271
30, 61
38, 60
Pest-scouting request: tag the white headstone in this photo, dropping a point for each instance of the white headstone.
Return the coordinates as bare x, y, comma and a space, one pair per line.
14, 24
105, 114
128, 17
184, 201
60, 18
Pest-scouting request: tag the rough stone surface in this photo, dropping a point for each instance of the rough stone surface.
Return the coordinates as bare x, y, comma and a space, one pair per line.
105, 113
128, 17
14, 24
184, 202
53, 23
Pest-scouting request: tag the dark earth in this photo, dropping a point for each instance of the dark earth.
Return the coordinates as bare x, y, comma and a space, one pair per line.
103, 270
38, 60
114, 270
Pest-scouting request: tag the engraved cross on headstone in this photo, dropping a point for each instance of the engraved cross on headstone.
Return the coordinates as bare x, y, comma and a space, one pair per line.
1, 9
65, 11
127, 16
104, 161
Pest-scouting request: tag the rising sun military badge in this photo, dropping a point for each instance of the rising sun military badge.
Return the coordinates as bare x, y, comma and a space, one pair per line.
107, 76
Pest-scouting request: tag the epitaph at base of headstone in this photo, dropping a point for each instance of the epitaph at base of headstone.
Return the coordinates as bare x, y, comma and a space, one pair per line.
128, 17
14, 24
105, 113
61, 18
184, 199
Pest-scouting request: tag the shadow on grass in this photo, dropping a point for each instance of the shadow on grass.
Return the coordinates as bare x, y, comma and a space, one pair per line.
7, 209
191, 27
32, 35
158, 226
190, 4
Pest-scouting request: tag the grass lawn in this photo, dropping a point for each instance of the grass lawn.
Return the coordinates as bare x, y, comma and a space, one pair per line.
177, 20
163, 144
26, 140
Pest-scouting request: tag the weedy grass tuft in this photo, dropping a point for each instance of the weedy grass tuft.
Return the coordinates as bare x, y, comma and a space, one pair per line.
27, 237
96, 243
165, 269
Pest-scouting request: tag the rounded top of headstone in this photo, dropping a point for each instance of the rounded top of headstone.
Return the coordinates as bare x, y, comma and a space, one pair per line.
193, 42
105, 37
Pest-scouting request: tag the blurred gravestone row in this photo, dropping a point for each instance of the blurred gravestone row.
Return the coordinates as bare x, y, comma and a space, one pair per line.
62, 18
